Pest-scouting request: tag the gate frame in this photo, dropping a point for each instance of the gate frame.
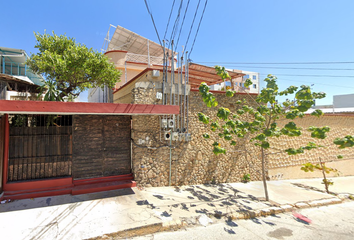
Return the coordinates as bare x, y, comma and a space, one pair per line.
66, 185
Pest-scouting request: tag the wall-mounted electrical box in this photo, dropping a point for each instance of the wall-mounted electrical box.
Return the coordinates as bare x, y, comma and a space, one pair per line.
188, 137
164, 123
155, 73
159, 95
171, 123
167, 135
181, 136
175, 136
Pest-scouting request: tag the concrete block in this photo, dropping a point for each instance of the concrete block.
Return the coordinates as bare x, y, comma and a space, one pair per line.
265, 212
336, 200
287, 207
302, 205
275, 210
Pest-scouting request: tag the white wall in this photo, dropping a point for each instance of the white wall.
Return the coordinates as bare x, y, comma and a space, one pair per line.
343, 101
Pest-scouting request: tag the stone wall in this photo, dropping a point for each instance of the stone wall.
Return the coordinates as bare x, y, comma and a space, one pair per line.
194, 162
284, 166
191, 162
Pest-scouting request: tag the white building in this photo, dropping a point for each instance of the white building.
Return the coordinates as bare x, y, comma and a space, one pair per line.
239, 82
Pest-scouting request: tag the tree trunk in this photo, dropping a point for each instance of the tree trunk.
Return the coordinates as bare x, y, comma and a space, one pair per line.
324, 177
264, 176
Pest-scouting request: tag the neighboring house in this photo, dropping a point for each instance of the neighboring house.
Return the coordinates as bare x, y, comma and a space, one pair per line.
238, 83
17, 82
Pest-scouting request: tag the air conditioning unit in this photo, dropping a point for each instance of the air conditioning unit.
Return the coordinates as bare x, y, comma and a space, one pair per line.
164, 123
155, 73
175, 136
171, 123
167, 135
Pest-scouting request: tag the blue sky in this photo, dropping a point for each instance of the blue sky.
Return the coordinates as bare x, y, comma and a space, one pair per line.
231, 33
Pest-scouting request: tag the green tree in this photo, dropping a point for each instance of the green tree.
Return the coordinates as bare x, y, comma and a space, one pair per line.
69, 67
258, 124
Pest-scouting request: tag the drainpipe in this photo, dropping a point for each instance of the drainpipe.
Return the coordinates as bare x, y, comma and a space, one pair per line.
169, 178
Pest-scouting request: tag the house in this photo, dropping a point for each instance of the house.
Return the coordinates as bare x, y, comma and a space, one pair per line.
238, 83
17, 82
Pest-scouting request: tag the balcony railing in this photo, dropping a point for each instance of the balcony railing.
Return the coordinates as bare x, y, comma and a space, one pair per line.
152, 60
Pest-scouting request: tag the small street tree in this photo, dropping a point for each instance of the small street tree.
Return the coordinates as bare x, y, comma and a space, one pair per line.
259, 124
69, 67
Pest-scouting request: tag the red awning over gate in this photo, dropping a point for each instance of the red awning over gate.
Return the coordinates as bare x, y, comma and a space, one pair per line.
74, 108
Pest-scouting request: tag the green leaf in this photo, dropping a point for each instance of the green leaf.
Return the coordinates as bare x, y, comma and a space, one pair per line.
347, 141
265, 145
248, 82
340, 157
206, 135
219, 150
223, 113
319, 133
317, 113
230, 93
203, 118
228, 137
214, 125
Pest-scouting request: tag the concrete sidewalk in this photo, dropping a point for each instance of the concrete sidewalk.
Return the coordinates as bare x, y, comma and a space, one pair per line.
92, 215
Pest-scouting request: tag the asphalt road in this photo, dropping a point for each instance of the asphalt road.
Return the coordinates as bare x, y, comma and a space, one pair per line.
328, 222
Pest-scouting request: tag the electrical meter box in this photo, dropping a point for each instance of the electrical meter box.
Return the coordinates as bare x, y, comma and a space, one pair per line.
175, 136
171, 123
164, 123
167, 135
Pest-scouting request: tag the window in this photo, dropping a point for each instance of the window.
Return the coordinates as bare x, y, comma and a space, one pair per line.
246, 77
254, 85
254, 77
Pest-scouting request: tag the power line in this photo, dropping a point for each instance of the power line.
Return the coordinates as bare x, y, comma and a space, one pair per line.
317, 83
175, 25
304, 75
329, 69
169, 18
279, 63
190, 30
180, 30
152, 18
201, 18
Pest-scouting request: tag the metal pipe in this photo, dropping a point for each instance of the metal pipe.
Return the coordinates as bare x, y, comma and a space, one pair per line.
169, 179
184, 94
181, 84
178, 73
163, 73
187, 98
172, 71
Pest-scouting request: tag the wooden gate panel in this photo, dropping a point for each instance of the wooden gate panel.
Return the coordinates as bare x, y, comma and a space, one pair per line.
101, 146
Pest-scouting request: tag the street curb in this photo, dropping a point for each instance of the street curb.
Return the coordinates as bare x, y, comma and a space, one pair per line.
283, 208
244, 214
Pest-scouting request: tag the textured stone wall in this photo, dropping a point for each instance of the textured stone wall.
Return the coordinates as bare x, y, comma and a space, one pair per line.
194, 162
191, 162
340, 126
